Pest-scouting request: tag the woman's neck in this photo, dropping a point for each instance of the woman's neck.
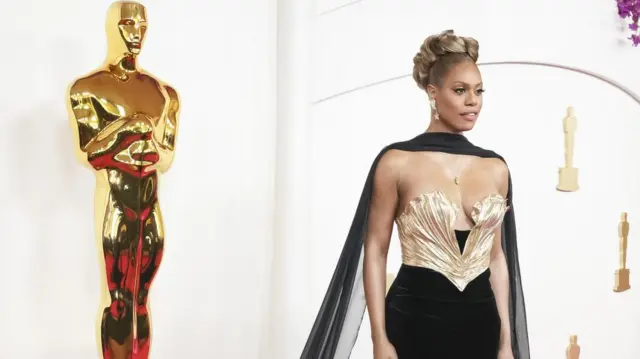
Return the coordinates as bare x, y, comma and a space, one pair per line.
440, 126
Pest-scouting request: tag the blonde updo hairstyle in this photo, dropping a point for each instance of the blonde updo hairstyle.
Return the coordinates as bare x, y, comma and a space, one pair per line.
439, 54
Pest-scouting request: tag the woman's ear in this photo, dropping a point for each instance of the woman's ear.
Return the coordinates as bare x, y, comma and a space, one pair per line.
431, 91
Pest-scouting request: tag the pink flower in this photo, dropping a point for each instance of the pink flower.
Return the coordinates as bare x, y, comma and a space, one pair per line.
631, 9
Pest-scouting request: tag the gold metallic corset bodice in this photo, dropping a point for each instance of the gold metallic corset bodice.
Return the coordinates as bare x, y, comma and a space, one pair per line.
428, 239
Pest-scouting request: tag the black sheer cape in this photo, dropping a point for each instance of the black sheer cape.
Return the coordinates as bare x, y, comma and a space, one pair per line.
336, 327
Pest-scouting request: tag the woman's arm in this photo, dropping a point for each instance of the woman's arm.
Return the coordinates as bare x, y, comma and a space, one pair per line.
499, 272
382, 213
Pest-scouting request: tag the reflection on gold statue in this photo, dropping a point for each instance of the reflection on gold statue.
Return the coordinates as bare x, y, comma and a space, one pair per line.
622, 274
125, 124
568, 175
573, 350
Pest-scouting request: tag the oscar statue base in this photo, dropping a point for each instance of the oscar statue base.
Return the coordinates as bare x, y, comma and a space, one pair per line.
568, 179
622, 280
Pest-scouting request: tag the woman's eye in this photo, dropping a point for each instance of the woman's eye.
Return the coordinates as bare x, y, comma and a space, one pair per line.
459, 90
480, 92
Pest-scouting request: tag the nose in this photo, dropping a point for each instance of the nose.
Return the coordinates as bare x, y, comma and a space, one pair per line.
471, 100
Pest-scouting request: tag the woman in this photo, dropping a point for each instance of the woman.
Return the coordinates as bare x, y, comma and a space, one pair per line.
458, 294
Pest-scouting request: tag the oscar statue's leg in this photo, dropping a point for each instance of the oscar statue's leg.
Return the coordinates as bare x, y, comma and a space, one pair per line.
151, 256
569, 146
117, 318
567, 154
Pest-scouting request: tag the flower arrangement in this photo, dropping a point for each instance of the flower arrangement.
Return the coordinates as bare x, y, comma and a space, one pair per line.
631, 9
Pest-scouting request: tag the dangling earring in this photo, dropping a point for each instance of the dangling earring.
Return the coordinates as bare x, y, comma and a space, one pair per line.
434, 109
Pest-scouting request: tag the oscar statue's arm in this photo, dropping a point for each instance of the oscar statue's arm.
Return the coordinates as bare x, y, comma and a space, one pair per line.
167, 129
97, 121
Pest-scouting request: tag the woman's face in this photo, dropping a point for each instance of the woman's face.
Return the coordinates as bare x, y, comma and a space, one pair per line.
459, 99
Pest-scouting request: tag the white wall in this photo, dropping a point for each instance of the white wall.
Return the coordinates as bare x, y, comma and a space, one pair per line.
288, 290
568, 242
219, 294
208, 300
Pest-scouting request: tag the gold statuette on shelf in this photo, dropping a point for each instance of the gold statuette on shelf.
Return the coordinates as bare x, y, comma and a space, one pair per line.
125, 123
622, 274
568, 175
573, 350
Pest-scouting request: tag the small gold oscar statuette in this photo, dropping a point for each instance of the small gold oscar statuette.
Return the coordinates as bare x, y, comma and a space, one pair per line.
390, 278
573, 350
622, 274
568, 175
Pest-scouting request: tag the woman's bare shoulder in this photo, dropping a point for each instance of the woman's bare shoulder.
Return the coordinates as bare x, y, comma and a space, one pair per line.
498, 170
496, 165
392, 163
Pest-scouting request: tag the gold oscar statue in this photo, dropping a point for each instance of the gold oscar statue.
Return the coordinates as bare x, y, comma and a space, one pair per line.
622, 274
568, 175
125, 122
573, 349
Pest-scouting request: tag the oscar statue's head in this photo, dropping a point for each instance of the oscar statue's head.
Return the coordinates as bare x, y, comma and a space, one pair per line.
126, 27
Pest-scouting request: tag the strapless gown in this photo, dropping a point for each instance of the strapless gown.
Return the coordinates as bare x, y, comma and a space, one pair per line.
441, 305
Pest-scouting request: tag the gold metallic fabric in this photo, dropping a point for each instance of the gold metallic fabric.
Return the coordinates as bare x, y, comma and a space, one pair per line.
428, 239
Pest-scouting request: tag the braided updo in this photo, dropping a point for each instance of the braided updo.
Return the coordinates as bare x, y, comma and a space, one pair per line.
439, 53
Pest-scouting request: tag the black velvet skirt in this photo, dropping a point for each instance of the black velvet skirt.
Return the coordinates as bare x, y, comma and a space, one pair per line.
427, 317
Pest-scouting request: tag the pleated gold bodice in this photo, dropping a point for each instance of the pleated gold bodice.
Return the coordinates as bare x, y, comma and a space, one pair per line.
428, 239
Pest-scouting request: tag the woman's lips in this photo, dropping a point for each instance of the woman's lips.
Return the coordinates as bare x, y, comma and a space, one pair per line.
470, 116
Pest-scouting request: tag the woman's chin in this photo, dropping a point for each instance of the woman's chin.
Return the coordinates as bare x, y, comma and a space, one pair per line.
462, 126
